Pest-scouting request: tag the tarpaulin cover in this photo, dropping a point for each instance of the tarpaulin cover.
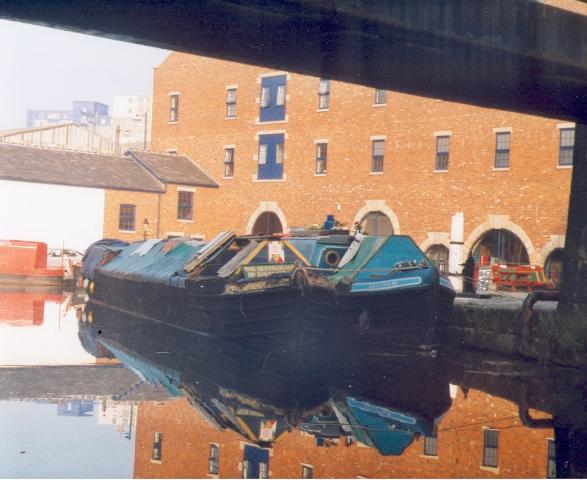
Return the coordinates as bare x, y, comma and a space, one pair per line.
95, 253
155, 266
378, 256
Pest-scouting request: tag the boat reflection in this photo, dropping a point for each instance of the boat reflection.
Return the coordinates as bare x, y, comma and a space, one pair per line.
261, 409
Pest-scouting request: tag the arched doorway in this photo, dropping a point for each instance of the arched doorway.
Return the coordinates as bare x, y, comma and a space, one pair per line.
500, 246
267, 223
438, 254
376, 223
553, 266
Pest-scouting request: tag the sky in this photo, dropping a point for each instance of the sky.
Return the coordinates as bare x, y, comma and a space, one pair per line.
44, 68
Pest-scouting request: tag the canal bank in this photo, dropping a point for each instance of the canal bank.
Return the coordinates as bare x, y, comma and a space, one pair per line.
496, 324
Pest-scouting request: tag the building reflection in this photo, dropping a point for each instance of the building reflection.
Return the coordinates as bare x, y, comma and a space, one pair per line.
254, 411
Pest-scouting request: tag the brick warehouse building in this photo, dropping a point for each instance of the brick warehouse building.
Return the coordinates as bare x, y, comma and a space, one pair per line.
289, 149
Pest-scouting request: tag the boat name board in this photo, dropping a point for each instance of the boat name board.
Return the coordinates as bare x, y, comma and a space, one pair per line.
386, 284
262, 271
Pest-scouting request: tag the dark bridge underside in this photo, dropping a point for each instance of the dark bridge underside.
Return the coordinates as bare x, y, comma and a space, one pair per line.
510, 54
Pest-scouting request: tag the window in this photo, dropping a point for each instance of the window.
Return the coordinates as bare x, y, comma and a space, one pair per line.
380, 97
430, 446
184, 205
502, 149
324, 94
173, 108
264, 103
438, 254
263, 154
377, 157
271, 156
567, 145
272, 101
280, 101
229, 162
157, 446
442, 146
126, 219
263, 470
247, 469
307, 471
231, 103
213, 460
321, 157
490, 446
551, 461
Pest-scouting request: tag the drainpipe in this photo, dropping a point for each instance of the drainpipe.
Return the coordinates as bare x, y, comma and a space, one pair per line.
158, 213
573, 293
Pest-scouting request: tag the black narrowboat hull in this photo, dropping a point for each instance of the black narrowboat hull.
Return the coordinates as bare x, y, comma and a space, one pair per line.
206, 308
409, 318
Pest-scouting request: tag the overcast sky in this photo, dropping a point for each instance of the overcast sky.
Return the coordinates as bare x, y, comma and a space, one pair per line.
43, 68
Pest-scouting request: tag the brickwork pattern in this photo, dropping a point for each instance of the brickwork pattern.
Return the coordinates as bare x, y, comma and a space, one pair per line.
533, 192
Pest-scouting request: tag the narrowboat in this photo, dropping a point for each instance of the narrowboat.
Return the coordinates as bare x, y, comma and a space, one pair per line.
24, 262
381, 290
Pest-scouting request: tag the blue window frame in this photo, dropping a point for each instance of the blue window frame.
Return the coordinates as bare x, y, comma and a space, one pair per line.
272, 103
255, 462
271, 152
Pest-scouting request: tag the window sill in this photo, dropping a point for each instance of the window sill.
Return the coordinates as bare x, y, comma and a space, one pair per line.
227, 178
229, 118
433, 457
212, 475
440, 171
268, 180
320, 174
490, 469
501, 169
172, 123
375, 173
322, 109
564, 167
158, 462
380, 105
127, 231
182, 220
259, 122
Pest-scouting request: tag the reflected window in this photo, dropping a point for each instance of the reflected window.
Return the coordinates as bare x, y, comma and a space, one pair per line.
442, 147
307, 471
321, 157
157, 446
229, 162
323, 94
213, 459
173, 108
231, 103
380, 97
490, 445
377, 155
430, 446
185, 203
247, 469
263, 470
551, 461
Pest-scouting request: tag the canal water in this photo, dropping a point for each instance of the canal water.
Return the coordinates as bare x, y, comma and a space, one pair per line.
87, 392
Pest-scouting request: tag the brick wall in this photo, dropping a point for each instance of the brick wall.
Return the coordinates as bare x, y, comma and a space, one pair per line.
533, 192
159, 210
186, 438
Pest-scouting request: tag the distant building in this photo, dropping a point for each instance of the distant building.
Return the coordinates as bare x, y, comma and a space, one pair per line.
41, 118
131, 115
76, 408
82, 113
90, 113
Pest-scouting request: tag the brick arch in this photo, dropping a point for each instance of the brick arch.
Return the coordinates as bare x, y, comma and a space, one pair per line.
556, 241
497, 222
263, 208
378, 206
435, 238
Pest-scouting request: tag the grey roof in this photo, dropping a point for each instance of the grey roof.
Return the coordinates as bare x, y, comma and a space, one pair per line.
67, 167
177, 169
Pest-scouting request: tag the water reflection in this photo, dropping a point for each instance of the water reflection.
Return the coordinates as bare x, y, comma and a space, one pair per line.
195, 407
